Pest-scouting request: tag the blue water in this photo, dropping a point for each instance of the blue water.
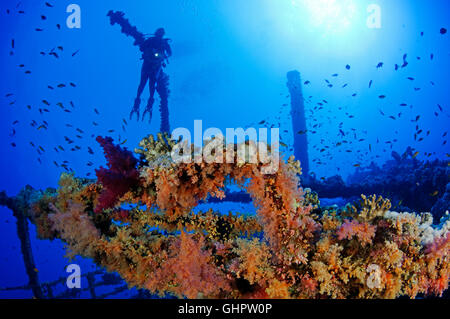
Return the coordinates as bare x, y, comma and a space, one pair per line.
228, 68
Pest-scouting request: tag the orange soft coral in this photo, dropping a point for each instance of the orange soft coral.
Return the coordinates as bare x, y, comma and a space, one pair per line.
290, 249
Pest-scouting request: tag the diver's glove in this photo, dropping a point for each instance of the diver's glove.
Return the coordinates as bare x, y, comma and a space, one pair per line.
135, 109
149, 110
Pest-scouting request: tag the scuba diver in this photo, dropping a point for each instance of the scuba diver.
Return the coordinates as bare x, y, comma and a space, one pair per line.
155, 53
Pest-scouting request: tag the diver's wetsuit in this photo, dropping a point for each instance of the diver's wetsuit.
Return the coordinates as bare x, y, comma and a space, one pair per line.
154, 52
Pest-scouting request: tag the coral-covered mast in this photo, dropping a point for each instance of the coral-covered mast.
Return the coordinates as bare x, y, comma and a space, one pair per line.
294, 84
19, 206
162, 80
127, 28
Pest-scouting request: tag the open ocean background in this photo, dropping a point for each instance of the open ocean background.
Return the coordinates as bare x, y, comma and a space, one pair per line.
228, 69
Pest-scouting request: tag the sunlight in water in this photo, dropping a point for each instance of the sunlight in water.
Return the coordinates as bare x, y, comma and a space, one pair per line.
334, 16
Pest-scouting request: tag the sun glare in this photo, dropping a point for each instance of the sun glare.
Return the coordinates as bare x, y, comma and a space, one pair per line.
333, 16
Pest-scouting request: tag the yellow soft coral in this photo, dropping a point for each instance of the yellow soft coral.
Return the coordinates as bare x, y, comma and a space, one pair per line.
290, 250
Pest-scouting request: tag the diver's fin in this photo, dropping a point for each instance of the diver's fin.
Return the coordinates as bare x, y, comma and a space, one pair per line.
149, 110
137, 103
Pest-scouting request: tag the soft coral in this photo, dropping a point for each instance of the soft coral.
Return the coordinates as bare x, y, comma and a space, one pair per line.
120, 176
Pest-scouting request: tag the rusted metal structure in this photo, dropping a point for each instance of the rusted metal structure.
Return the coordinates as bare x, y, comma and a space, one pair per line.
46, 290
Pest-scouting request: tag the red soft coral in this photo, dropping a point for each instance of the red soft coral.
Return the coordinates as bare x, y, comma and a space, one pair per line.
120, 176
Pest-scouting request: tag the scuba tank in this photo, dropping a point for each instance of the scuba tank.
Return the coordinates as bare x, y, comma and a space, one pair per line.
154, 50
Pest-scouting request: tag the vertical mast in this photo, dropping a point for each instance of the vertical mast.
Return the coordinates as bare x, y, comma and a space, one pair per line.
19, 206
294, 85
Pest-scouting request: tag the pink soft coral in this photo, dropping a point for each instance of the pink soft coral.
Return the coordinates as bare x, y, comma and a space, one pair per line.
437, 266
363, 231
119, 178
